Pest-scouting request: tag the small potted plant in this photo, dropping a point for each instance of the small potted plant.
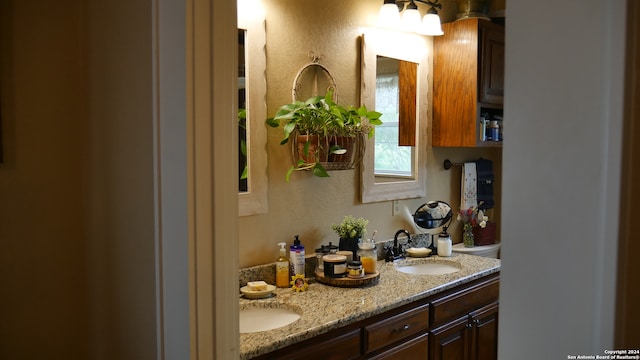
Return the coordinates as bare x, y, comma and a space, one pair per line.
316, 129
350, 231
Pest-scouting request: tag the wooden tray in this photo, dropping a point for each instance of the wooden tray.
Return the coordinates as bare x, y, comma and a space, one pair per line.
368, 279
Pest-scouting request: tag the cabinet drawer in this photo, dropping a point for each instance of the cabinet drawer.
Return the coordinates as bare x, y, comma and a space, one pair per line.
397, 327
336, 345
462, 302
414, 349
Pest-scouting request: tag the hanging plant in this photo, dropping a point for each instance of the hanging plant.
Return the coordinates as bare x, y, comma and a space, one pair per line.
315, 125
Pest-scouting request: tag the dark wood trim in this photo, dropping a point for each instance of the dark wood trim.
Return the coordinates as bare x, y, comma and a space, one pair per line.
628, 292
408, 73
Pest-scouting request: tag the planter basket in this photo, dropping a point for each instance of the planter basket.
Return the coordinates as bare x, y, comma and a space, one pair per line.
320, 145
485, 236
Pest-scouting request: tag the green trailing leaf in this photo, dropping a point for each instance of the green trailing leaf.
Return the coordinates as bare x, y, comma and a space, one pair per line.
314, 100
242, 122
305, 149
273, 122
243, 147
320, 171
289, 172
243, 150
374, 116
288, 129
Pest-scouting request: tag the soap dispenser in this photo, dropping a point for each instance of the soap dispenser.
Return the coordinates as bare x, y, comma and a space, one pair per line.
282, 267
297, 256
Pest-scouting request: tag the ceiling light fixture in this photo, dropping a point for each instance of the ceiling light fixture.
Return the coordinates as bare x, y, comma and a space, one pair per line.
389, 16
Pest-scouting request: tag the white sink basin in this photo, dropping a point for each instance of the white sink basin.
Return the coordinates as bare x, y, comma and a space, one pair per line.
263, 319
428, 267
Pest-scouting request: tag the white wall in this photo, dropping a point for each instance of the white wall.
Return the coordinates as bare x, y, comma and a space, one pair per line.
120, 212
561, 165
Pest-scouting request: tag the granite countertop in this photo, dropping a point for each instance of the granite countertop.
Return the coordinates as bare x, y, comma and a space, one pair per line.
323, 307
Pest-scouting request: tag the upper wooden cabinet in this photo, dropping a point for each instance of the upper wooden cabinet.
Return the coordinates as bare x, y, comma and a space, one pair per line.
468, 81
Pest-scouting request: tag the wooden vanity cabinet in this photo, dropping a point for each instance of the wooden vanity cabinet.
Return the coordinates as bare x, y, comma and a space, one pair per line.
472, 337
465, 323
468, 79
460, 323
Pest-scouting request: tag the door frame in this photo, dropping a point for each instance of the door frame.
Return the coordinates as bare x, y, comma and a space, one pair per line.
628, 293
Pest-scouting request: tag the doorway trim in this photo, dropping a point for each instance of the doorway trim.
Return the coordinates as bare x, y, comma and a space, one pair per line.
628, 293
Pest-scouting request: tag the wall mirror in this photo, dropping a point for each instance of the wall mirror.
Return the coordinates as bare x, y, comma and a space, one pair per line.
395, 70
252, 109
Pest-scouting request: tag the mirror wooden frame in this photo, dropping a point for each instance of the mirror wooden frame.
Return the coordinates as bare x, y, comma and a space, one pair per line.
402, 46
255, 200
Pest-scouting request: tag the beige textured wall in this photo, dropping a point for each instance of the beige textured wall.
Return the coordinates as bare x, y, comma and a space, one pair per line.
308, 205
43, 305
77, 248
120, 180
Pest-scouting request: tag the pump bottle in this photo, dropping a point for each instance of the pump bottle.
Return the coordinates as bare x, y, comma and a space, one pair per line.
282, 267
297, 256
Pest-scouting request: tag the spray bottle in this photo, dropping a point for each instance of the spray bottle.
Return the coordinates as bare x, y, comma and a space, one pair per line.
282, 267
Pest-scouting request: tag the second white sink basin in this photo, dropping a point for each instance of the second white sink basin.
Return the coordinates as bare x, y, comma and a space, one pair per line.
263, 319
428, 267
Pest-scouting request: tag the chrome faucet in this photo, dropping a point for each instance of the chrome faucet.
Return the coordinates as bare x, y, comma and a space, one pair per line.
396, 252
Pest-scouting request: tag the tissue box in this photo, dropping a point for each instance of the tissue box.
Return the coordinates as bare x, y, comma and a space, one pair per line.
486, 235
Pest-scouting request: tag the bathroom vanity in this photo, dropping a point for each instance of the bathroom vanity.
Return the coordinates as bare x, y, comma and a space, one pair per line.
407, 315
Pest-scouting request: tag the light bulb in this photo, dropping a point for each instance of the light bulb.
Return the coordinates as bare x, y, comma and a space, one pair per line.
431, 25
411, 18
389, 15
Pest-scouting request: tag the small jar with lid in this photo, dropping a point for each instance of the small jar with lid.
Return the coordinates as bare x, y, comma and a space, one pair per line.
320, 252
368, 255
444, 244
335, 265
348, 254
355, 269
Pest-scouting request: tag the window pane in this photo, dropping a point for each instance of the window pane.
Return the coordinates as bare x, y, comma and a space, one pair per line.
389, 158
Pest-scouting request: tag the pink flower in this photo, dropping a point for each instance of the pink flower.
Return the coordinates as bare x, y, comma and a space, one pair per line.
470, 216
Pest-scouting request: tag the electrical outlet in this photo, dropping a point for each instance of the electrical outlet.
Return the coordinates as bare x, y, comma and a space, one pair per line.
396, 207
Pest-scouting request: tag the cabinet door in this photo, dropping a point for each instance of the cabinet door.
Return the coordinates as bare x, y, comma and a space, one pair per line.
492, 63
484, 339
451, 341
455, 84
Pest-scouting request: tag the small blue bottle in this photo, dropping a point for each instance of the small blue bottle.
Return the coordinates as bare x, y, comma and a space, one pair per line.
296, 256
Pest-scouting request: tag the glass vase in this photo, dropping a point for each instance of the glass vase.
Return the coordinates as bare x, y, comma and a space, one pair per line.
467, 235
